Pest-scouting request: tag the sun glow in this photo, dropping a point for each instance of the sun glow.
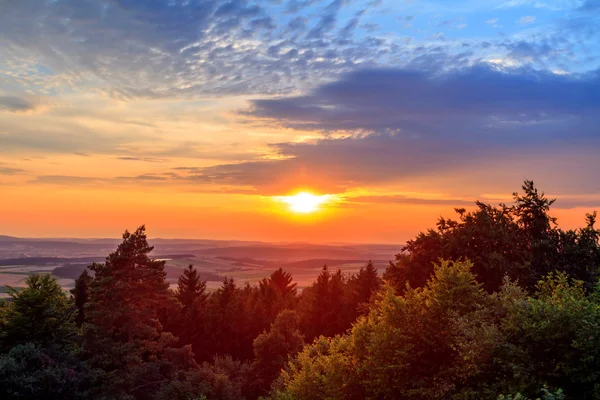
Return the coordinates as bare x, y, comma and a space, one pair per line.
304, 202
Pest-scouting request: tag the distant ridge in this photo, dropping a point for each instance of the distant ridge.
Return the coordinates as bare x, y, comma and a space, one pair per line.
5, 238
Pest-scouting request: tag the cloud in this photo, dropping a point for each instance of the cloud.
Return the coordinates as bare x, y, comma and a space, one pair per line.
327, 21
400, 199
590, 5
10, 171
66, 180
156, 49
58, 137
144, 159
530, 52
477, 100
139, 48
528, 19
16, 104
385, 125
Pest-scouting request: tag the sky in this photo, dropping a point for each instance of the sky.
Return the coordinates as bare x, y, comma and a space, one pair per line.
196, 117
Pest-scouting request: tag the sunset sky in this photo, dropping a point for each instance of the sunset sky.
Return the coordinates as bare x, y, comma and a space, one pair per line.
197, 117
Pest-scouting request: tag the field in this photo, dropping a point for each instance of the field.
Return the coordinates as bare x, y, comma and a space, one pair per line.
244, 261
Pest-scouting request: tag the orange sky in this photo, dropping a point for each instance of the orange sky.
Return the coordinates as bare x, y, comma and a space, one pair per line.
193, 120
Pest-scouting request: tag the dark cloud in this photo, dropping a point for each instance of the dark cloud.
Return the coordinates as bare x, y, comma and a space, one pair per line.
15, 104
568, 203
529, 52
399, 199
10, 171
477, 101
327, 21
403, 124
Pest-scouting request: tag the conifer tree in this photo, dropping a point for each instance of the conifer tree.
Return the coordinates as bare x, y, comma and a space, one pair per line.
40, 313
124, 337
37, 344
190, 289
364, 285
80, 294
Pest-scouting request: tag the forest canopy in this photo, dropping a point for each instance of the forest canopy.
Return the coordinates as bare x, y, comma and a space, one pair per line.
499, 303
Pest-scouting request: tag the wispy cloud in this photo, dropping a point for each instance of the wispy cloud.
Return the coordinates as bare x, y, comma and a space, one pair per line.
527, 19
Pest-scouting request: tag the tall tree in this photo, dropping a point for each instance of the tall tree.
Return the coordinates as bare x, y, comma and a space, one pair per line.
190, 289
80, 293
191, 293
124, 337
522, 241
324, 307
274, 348
364, 285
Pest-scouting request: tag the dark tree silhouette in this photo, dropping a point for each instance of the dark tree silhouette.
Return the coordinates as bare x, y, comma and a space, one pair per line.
80, 294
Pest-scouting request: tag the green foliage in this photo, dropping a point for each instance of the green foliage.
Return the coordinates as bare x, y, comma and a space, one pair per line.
40, 313
551, 339
325, 307
124, 338
546, 395
521, 241
500, 301
273, 349
416, 346
29, 372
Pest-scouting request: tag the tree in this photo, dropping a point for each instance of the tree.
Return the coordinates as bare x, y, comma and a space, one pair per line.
80, 294
274, 294
40, 313
550, 339
39, 342
425, 344
522, 241
124, 337
191, 291
28, 371
364, 285
325, 307
274, 348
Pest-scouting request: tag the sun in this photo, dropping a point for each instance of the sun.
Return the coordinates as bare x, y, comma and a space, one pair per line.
304, 202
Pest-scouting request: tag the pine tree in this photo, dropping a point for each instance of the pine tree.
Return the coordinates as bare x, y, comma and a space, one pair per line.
364, 285
80, 294
40, 313
282, 281
190, 289
124, 337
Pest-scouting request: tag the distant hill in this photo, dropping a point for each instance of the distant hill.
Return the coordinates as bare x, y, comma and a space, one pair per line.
59, 260
285, 253
299, 264
320, 262
72, 271
4, 238
48, 260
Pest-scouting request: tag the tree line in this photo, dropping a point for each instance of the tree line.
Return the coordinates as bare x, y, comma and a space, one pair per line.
498, 304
